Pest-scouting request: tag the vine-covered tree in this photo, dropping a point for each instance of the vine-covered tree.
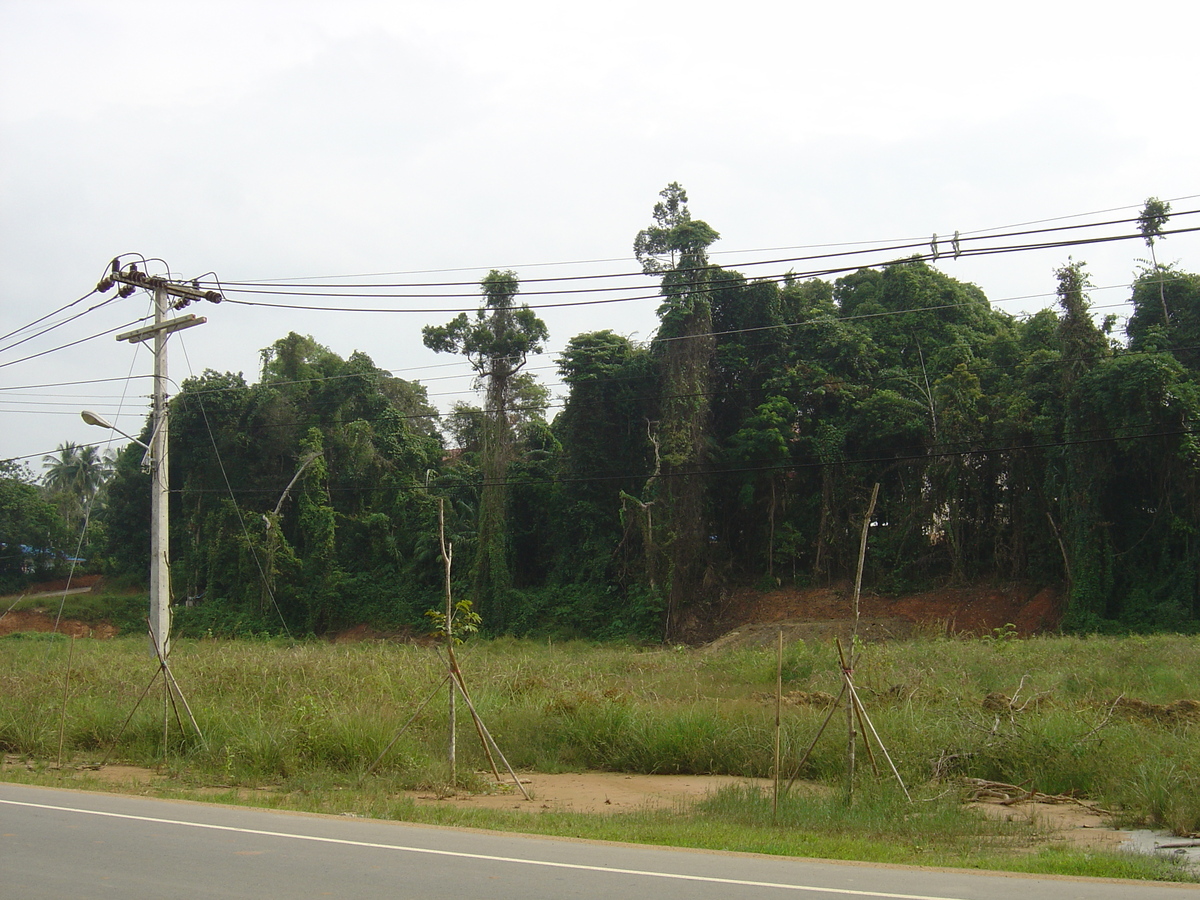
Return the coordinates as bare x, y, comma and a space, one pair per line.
675, 248
497, 342
737, 450
299, 501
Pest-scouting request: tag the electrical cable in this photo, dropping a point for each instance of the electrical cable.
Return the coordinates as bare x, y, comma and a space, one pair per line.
229, 487
711, 287
876, 247
790, 466
35, 322
973, 235
56, 325
561, 404
29, 387
107, 331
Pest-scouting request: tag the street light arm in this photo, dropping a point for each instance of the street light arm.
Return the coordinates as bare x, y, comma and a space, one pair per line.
99, 421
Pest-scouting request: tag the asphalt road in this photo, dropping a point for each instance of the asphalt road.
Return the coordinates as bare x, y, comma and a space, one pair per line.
72, 844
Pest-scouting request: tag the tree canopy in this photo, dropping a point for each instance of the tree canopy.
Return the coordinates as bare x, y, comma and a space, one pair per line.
737, 448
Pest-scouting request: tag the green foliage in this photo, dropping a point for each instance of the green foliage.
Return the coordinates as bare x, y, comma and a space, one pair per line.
497, 343
33, 536
305, 713
739, 447
462, 621
1152, 218
301, 501
587, 612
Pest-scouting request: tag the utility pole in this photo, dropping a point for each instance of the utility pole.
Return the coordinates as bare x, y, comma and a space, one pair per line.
167, 295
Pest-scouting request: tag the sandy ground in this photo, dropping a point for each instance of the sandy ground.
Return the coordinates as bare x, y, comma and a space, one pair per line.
593, 792
609, 792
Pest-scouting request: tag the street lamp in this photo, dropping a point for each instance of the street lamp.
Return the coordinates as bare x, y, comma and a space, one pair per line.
94, 418
155, 338
160, 571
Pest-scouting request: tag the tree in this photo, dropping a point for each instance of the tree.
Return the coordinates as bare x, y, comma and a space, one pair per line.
1149, 331
675, 248
1088, 553
300, 501
605, 452
497, 342
74, 477
32, 532
1153, 217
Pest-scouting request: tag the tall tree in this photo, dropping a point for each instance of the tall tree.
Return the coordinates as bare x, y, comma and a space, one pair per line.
497, 342
299, 499
605, 453
1154, 291
74, 477
675, 248
1088, 555
1153, 217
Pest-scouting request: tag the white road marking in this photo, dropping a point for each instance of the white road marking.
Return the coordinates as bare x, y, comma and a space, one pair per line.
485, 857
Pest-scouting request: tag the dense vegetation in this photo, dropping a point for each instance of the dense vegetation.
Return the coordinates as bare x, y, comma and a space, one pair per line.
739, 446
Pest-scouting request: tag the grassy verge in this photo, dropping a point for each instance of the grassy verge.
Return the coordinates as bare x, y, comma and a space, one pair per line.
125, 610
296, 725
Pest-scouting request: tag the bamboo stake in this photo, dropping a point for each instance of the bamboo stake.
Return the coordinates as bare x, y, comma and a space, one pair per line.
457, 683
820, 731
411, 719
484, 733
848, 669
851, 740
170, 682
879, 741
125, 724
778, 709
862, 554
447, 558
849, 685
456, 674
186, 707
62, 719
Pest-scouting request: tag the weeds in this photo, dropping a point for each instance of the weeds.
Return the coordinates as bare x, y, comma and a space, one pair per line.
308, 715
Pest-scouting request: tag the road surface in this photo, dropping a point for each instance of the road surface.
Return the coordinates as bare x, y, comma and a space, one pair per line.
60, 843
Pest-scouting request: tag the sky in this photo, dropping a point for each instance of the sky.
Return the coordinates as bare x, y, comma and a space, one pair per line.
329, 142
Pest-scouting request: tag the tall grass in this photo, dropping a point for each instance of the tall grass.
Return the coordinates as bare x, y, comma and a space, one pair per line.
275, 712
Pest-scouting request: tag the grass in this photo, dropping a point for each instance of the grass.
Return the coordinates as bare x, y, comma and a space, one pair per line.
296, 724
123, 609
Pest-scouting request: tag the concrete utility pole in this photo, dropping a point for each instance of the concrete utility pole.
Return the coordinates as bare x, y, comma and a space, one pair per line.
157, 334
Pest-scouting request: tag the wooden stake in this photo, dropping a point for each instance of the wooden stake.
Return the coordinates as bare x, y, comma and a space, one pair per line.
848, 666
447, 558
457, 685
862, 554
856, 705
820, 731
778, 708
62, 719
411, 719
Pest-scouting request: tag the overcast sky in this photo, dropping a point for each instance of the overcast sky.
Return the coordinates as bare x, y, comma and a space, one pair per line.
317, 139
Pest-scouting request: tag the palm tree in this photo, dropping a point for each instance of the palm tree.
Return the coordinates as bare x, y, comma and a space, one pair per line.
74, 476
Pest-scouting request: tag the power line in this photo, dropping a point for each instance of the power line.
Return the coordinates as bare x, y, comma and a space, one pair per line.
709, 288
789, 466
882, 244
92, 337
26, 387
814, 322
57, 325
811, 322
36, 322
